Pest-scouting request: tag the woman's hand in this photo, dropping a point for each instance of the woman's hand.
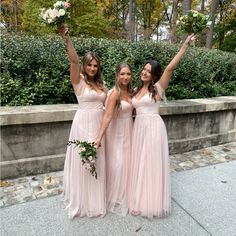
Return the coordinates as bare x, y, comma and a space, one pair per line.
64, 31
97, 144
189, 39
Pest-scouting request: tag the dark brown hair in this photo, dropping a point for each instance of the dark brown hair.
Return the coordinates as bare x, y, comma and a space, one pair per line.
156, 73
88, 57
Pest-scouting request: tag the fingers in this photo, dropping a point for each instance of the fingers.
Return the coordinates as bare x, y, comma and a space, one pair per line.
194, 37
97, 145
63, 30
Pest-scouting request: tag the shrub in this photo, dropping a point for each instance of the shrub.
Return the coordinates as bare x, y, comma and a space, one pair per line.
35, 70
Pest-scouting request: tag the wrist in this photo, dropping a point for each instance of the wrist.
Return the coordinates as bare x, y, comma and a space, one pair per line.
186, 44
66, 38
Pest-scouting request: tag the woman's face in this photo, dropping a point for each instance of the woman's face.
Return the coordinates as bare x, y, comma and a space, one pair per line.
124, 76
146, 73
91, 68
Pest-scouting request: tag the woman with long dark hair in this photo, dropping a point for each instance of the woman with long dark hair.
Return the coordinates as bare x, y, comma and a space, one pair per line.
149, 188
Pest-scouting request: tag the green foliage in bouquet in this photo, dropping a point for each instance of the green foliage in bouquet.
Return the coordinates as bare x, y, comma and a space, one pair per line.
88, 155
193, 22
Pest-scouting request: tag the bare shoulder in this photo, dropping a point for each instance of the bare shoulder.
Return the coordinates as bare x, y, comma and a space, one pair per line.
113, 94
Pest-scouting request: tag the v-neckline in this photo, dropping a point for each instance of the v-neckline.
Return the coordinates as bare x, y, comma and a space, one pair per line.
138, 99
130, 103
94, 91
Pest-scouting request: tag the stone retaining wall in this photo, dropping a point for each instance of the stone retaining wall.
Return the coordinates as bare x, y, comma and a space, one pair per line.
33, 138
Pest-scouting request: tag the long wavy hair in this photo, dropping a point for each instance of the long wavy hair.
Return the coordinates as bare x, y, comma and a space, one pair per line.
156, 73
118, 85
88, 57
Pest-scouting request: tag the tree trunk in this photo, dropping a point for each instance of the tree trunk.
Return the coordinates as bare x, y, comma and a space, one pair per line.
14, 3
173, 37
214, 6
222, 32
131, 24
186, 6
202, 6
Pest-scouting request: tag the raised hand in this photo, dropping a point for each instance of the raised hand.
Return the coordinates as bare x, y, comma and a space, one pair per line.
190, 38
64, 31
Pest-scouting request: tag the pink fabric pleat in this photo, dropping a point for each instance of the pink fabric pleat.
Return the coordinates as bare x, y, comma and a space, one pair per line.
118, 152
149, 186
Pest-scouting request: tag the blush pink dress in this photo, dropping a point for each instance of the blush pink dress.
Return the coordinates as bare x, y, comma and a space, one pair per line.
118, 152
85, 195
150, 178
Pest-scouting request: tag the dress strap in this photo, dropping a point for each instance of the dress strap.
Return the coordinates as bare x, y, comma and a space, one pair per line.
80, 87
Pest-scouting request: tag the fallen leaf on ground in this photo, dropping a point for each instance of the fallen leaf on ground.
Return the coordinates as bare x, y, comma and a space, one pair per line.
49, 179
5, 183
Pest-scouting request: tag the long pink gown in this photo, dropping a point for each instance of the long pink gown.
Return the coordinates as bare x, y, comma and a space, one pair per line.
118, 152
150, 178
85, 195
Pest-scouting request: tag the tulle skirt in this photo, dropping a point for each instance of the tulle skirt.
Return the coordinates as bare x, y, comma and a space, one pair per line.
149, 174
118, 152
85, 195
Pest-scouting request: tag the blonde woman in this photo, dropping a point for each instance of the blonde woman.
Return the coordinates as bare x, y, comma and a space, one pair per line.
118, 116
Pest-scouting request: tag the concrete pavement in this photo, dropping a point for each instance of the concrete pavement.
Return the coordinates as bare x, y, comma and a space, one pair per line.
203, 203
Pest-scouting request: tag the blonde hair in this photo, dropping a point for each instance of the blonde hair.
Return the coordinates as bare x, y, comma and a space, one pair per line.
117, 85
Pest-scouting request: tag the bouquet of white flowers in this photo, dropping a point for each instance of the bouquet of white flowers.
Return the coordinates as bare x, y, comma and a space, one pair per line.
57, 15
88, 155
193, 22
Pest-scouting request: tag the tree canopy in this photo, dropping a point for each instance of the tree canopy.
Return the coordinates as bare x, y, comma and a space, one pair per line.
127, 19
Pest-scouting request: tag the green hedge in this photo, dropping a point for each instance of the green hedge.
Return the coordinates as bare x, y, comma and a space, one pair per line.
35, 70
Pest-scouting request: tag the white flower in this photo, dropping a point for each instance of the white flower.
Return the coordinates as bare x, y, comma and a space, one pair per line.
177, 22
49, 13
62, 12
55, 13
59, 4
82, 149
195, 14
90, 158
50, 21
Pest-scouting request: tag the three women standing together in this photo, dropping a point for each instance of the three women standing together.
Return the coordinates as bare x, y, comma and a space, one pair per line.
133, 159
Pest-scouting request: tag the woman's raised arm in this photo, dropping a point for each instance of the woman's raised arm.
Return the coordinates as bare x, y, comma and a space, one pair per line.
166, 76
73, 56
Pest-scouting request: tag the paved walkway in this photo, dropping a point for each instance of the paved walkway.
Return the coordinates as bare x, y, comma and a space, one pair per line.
203, 202
29, 188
